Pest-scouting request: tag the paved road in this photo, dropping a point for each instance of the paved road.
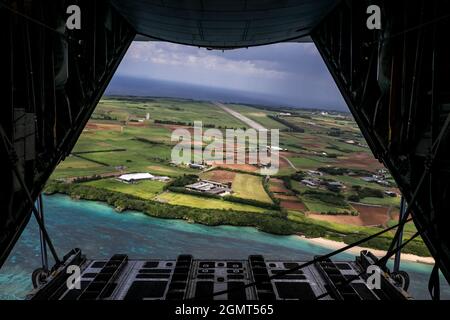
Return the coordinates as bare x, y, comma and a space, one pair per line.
289, 162
251, 123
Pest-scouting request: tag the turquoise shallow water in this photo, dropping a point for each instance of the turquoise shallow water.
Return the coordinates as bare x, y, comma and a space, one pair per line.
101, 232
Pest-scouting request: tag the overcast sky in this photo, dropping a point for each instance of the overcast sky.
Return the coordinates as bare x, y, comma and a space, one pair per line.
292, 72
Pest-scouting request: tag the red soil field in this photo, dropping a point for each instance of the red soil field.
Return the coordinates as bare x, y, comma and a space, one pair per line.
242, 167
222, 176
368, 216
293, 205
137, 124
103, 126
359, 160
277, 186
286, 197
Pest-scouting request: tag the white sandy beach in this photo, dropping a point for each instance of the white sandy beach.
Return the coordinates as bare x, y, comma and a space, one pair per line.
335, 245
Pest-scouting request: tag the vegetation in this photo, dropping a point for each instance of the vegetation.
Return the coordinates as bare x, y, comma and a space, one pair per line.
343, 171
298, 176
252, 202
364, 192
271, 222
128, 134
249, 187
182, 181
201, 202
143, 189
291, 126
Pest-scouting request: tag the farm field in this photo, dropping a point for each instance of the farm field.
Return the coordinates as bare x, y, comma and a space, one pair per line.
159, 109
327, 175
144, 189
201, 202
250, 187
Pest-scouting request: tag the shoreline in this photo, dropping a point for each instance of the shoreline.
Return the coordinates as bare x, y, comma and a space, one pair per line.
121, 202
335, 245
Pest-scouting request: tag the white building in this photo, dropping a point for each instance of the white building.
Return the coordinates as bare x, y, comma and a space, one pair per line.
210, 187
132, 177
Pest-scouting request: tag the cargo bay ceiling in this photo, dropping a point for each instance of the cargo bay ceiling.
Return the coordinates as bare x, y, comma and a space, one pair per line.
394, 80
224, 24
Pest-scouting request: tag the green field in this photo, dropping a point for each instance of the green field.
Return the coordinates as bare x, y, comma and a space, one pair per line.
386, 201
186, 111
120, 139
307, 162
143, 189
249, 187
144, 149
76, 167
204, 203
114, 143
317, 206
355, 181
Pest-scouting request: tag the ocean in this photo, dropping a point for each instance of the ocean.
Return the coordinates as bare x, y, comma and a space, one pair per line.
101, 232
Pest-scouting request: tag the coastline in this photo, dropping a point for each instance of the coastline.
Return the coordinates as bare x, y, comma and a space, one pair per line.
271, 224
335, 245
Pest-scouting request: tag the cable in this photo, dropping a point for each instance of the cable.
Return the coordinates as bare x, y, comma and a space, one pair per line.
401, 223
407, 211
380, 263
315, 260
391, 251
20, 14
428, 164
425, 24
12, 157
433, 284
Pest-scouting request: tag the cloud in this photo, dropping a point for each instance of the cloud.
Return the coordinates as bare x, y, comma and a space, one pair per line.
176, 55
294, 73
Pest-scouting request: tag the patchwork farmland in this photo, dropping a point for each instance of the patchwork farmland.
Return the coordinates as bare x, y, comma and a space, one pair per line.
327, 178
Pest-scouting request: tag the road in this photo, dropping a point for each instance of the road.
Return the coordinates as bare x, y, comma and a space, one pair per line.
252, 124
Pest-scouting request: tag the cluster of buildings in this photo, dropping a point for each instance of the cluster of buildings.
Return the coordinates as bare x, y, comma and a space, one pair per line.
192, 165
198, 166
210, 187
135, 177
380, 177
313, 181
141, 120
